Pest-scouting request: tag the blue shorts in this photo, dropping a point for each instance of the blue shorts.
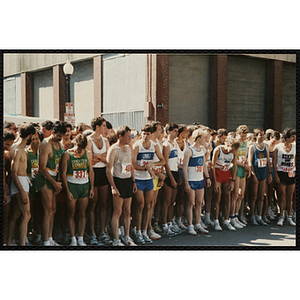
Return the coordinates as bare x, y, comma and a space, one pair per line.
196, 185
181, 174
144, 185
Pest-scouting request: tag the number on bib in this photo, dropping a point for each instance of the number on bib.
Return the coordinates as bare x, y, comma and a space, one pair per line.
199, 169
34, 171
144, 163
291, 174
126, 168
262, 162
79, 174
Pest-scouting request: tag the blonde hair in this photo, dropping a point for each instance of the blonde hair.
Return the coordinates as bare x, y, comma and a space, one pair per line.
199, 133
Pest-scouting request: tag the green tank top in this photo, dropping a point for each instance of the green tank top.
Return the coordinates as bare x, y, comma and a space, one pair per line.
52, 165
32, 164
78, 167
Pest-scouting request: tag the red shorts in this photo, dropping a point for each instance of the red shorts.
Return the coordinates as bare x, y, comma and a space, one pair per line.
223, 176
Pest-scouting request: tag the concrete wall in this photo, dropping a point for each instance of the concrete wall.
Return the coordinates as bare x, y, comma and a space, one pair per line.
288, 95
82, 91
12, 95
43, 105
189, 89
246, 92
283, 57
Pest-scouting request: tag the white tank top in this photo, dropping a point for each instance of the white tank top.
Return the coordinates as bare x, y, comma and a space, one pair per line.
122, 167
144, 157
195, 165
286, 161
96, 150
156, 159
173, 156
224, 160
181, 155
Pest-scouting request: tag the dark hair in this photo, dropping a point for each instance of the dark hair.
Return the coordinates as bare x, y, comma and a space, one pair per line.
108, 125
171, 126
122, 130
287, 133
181, 128
80, 125
222, 131
257, 131
68, 125
26, 130
7, 124
97, 121
81, 141
41, 137
147, 128
276, 135
155, 125
59, 126
112, 138
8, 135
48, 124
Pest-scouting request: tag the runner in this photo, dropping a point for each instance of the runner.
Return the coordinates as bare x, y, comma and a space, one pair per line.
99, 146
223, 180
47, 127
194, 165
50, 153
142, 161
122, 184
173, 179
20, 185
8, 139
284, 163
258, 160
78, 180
243, 171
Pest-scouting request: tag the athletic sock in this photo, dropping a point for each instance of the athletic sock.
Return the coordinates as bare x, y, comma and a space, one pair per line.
47, 243
80, 239
170, 223
73, 239
226, 221
51, 240
216, 222
258, 217
207, 216
165, 225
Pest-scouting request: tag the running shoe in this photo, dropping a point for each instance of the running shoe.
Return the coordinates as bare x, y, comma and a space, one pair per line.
157, 229
253, 221
153, 235
117, 243
235, 224
176, 230
81, 243
93, 240
265, 219
167, 231
217, 227
239, 222
280, 221
294, 216
290, 221
261, 222
146, 238
139, 239
54, 243
243, 220
127, 241
104, 239
228, 226
200, 229
73, 243
202, 224
271, 215
209, 222
191, 230
180, 224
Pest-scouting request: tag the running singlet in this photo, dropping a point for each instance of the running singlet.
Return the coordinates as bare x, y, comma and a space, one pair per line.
181, 155
96, 150
286, 161
122, 167
155, 159
224, 160
195, 166
173, 157
32, 165
241, 157
144, 157
78, 169
259, 162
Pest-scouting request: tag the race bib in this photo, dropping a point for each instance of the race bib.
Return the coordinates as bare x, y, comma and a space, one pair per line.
57, 168
225, 168
159, 169
34, 171
208, 164
271, 162
199, 169
144, 163
126, 168
242, 159
180, 160
79, 174
262, 162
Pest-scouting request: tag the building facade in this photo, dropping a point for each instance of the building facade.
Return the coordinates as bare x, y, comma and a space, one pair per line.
217, 90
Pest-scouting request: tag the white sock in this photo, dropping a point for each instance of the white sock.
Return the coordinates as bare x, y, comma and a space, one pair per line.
80, 239
139, 232
216, 222
73, 239
170, 223
226, 221
47, 243
190, 226
165, 225
207, 216
51, 239
258, 217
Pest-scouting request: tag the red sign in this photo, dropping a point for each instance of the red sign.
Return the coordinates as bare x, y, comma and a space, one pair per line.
69, 108
69, 118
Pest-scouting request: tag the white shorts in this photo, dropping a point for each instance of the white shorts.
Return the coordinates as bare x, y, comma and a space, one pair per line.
24, 180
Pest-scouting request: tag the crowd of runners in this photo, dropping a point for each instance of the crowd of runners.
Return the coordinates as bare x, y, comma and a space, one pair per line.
96, 185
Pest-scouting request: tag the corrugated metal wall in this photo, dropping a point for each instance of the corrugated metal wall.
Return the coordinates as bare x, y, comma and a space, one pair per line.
246, 92
189, 89
288, 95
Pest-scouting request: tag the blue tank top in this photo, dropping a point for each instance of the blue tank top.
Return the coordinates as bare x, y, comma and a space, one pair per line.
259, 162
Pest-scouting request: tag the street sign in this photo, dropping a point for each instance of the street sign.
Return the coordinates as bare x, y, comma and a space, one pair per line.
69, 118
69, 108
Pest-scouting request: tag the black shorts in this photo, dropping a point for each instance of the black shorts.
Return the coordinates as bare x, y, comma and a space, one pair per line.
168, 180
124, 186
285, 179
100, 177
